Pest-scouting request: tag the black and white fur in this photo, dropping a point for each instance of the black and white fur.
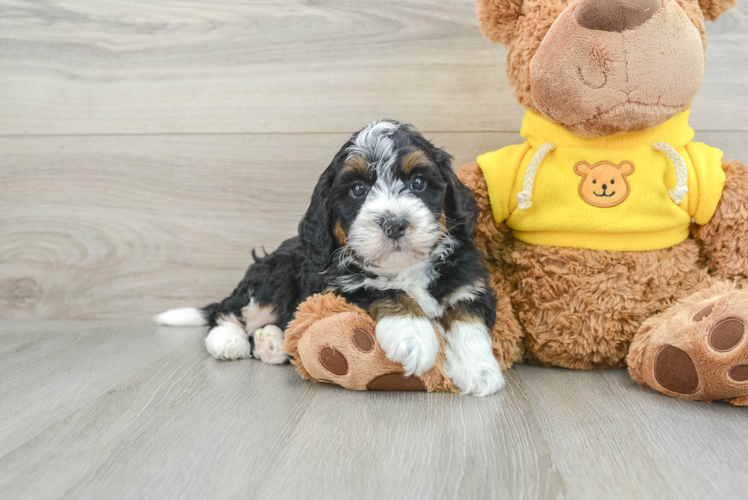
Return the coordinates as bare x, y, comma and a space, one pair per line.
391, 229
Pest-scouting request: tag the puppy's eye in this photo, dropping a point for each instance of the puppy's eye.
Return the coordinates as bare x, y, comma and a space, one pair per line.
594, 181
359, 190
612, 181
417, 184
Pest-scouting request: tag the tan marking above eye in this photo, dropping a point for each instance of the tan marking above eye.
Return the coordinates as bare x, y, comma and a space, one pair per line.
356, 164
413, 160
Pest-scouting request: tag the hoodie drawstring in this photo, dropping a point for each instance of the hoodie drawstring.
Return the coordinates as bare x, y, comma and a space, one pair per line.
680, 191
525, 197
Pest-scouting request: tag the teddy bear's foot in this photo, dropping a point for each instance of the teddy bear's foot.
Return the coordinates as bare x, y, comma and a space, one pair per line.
698, 349
334, 342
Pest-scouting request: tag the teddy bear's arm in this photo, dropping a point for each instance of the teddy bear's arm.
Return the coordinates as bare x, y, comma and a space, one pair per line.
496, 242
490, 236
724, 239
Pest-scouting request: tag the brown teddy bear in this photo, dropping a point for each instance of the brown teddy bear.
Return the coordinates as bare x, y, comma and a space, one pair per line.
612, 238
639, 262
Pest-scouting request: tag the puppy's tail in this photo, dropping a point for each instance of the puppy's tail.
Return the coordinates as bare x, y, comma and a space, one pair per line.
184, 316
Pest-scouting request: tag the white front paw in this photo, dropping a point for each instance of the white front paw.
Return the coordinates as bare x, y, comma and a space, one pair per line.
477, 377
228, 341
469, 359
269, 345
409, 341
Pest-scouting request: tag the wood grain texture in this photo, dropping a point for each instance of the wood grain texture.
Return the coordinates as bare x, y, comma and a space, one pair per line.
122, 227
107, 410
197, 66
145, 147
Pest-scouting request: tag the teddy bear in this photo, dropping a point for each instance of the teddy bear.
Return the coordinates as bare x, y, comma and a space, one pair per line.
615, 238
612, 239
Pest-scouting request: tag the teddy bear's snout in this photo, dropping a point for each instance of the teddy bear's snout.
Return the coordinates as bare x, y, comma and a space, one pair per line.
615, 15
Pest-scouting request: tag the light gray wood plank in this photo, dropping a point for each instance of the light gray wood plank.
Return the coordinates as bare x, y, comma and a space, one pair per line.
34, 353
122, 227
182, 425
134, 67
113, 227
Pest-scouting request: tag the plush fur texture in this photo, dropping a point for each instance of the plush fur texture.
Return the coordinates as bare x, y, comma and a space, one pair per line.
585, 309
623, 62
497, 243
327, 321
713, 9
580, 308
723, 239
689, 326
597, 82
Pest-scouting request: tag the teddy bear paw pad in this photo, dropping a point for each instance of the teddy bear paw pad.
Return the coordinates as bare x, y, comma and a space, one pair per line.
726, 335
704, 354
333, 360
675, 371
396, 382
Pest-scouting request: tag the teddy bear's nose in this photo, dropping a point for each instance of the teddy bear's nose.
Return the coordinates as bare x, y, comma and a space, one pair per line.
614, 15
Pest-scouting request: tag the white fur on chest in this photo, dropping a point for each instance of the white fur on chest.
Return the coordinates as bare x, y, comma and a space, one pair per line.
414, 281
428, 303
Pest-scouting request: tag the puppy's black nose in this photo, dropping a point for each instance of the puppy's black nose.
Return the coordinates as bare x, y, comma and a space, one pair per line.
395, 227
605, 186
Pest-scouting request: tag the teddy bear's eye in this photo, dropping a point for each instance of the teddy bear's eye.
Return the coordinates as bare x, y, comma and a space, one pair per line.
612, 181
594, 181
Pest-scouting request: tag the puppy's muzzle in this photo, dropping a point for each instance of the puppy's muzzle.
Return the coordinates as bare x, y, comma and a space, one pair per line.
394, 227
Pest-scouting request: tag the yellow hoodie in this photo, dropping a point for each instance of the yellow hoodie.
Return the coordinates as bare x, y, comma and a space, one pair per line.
631, 192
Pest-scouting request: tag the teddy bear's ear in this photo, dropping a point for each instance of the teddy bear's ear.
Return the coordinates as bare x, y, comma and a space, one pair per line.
713, 9
582, 168
626, 168
498, 19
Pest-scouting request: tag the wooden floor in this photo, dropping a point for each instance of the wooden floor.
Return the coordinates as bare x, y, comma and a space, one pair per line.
93, 410
146, 146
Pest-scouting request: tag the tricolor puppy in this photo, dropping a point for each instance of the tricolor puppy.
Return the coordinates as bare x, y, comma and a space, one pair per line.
390, 228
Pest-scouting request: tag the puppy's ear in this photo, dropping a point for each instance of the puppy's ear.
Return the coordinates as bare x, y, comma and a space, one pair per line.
460, 207
498, 19
713, 9
315, 229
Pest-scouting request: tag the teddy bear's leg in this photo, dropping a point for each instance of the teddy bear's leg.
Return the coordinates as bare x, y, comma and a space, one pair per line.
697, 349
333, 342
497, 243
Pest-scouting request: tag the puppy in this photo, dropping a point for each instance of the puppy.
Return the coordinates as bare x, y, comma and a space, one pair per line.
391, 229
